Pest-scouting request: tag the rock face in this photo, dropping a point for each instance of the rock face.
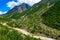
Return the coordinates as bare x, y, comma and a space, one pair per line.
20, 8
23, 7
17, 9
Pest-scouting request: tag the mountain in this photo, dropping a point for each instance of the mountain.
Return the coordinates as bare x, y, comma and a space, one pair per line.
20, 8
41, 19
17, 9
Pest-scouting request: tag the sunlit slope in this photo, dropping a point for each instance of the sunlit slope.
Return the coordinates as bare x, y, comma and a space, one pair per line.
10, 34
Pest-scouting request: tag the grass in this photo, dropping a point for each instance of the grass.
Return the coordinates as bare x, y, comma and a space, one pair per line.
10, 34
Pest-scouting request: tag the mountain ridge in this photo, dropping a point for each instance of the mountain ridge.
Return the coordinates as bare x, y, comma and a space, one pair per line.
20, 8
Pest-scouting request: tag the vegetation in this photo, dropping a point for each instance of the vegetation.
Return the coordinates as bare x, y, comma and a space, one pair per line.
17, 15
52, 16
10, 34
38, 20
4, 19
31, 19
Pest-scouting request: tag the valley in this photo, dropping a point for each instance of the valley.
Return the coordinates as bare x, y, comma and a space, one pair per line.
40, 22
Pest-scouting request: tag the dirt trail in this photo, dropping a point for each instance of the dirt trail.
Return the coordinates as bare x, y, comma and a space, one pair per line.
27, 33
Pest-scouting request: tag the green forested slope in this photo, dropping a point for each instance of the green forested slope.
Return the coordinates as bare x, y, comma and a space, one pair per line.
52, 16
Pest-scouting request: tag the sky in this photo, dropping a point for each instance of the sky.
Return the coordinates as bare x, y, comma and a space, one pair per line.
6, 5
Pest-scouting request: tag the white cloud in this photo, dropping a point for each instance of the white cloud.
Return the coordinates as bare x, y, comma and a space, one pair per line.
2, 12
5, 12
30, 2
11, 4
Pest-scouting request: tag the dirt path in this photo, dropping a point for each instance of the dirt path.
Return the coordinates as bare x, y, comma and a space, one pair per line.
27, 33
